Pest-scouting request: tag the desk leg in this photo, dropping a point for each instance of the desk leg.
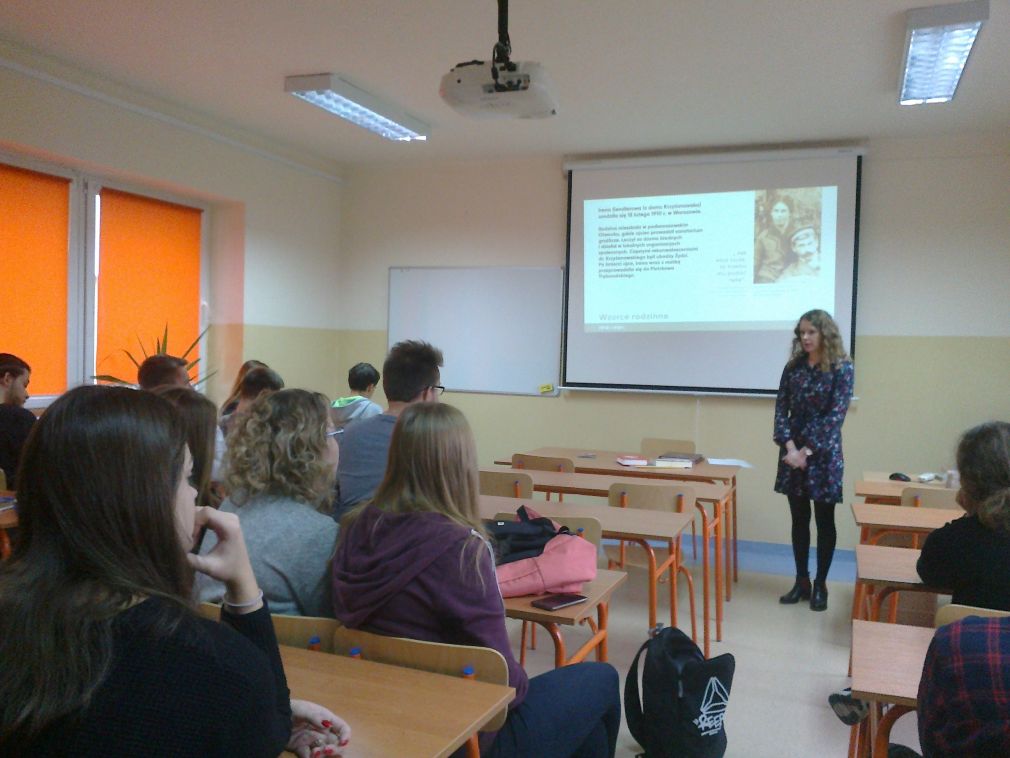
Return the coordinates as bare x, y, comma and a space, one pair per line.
736, 562
705, 563
730, 545
559, 644
719, 538
883, 732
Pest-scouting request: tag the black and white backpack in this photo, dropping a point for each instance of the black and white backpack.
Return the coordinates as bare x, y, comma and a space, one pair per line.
684, 698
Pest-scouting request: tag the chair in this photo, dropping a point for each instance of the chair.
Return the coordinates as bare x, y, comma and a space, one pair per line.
653, 447
294, 631
589, 528
677, 498
952, 612
929, 497
544, 463
506, 484
436, 657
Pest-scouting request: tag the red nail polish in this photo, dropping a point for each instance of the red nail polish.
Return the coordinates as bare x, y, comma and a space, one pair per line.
330, 751
343, 743
327, 724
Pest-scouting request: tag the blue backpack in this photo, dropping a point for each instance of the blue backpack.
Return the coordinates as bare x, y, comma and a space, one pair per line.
684, 698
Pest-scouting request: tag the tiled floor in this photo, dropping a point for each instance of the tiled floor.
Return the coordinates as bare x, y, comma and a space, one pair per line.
788, 660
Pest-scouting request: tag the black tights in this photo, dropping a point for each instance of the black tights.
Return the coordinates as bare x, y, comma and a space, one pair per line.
824, 515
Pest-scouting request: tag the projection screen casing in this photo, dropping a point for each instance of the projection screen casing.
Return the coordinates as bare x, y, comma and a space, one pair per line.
688, 274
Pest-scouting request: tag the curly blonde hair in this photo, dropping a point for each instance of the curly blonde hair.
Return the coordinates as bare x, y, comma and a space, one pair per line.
279, 448
832, 348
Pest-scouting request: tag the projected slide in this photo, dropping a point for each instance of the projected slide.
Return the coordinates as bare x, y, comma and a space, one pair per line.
718, 261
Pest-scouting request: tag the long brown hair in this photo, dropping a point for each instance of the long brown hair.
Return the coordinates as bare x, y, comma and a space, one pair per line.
432, 468
236, 388
832, 347
97, 530
199, 415
983, 461
279, 448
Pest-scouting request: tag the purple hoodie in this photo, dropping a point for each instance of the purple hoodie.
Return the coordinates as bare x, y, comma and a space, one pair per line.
413, 575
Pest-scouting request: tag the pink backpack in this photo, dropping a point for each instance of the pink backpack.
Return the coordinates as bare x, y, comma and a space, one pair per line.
566, 562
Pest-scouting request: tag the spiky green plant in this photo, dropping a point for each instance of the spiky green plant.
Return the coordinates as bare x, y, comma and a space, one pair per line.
160, 348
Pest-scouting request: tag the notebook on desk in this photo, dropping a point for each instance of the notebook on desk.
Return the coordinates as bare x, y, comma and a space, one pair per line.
691, 458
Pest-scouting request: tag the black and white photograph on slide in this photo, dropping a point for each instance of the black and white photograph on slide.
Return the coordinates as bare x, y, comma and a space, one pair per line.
787, 234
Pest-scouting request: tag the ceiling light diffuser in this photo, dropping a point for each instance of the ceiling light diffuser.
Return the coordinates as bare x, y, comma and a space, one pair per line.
938, 42
341, 98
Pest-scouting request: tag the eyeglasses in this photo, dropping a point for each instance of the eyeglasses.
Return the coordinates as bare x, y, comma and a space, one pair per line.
334, 432
438, 387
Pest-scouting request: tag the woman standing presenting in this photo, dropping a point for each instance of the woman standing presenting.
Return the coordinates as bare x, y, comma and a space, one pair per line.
813, 397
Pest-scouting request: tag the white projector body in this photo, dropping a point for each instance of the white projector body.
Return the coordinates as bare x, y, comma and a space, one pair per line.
469, 88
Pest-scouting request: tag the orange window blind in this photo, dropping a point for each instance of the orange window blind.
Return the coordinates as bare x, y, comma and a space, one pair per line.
34, 227
148, 277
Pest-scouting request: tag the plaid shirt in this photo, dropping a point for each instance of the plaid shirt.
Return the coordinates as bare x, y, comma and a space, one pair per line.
964, 694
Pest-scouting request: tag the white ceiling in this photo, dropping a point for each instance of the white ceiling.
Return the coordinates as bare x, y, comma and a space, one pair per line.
631, 75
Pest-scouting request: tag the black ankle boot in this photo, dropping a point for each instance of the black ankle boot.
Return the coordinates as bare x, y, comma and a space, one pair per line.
800, 591
819, 597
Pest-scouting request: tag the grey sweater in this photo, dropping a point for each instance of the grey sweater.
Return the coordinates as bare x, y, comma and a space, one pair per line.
290, 546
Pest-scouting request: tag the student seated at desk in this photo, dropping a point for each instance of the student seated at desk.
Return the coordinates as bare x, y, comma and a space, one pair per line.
102, 653
362, 379
15, 420
962, 703
415, 562
971, 555
280, 467
229, 405
409, 375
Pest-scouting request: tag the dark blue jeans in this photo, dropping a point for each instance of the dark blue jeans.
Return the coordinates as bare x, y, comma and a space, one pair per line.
570, 712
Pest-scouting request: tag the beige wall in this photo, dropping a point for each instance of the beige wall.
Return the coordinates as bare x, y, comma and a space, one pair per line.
933, 351
299, 278
274, 224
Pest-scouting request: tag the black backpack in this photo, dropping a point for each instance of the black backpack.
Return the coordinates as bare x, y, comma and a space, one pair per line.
684, 696
518, 540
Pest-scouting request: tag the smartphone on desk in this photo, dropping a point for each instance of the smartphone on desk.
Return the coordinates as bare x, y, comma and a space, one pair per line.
555, 602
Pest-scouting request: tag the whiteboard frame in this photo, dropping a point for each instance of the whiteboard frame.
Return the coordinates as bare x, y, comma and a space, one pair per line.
514, 339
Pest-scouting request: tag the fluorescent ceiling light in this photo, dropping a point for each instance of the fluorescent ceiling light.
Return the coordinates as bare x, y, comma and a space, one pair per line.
938, 41
340, 97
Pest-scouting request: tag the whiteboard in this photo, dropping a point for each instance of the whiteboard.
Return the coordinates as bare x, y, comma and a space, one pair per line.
499, 328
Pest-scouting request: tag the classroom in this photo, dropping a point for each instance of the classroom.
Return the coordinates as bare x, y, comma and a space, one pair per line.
304, 223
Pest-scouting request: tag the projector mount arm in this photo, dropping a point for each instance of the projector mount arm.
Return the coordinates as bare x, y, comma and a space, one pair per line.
502, 49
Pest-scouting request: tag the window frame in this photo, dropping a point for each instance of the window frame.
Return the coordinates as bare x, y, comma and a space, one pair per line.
82, 242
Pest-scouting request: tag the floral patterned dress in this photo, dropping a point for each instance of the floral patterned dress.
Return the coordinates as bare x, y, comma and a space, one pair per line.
809, 410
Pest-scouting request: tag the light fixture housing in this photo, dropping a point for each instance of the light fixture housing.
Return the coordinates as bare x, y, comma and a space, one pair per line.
338, 96
938, 41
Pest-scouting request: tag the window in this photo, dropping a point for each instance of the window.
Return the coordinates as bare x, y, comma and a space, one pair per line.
92, 271
34, 223
148, 278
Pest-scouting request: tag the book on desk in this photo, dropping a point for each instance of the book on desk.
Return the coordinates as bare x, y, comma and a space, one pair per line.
661, 462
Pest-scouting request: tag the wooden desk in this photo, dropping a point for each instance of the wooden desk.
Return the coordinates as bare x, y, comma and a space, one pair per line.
886, 667
887, 570
394, 710
915, 520
719, 495
598, 594
591, 461
888, 491
631, 524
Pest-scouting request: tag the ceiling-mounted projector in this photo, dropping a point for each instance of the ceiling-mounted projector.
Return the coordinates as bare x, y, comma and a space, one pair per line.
499, 88
482, 89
